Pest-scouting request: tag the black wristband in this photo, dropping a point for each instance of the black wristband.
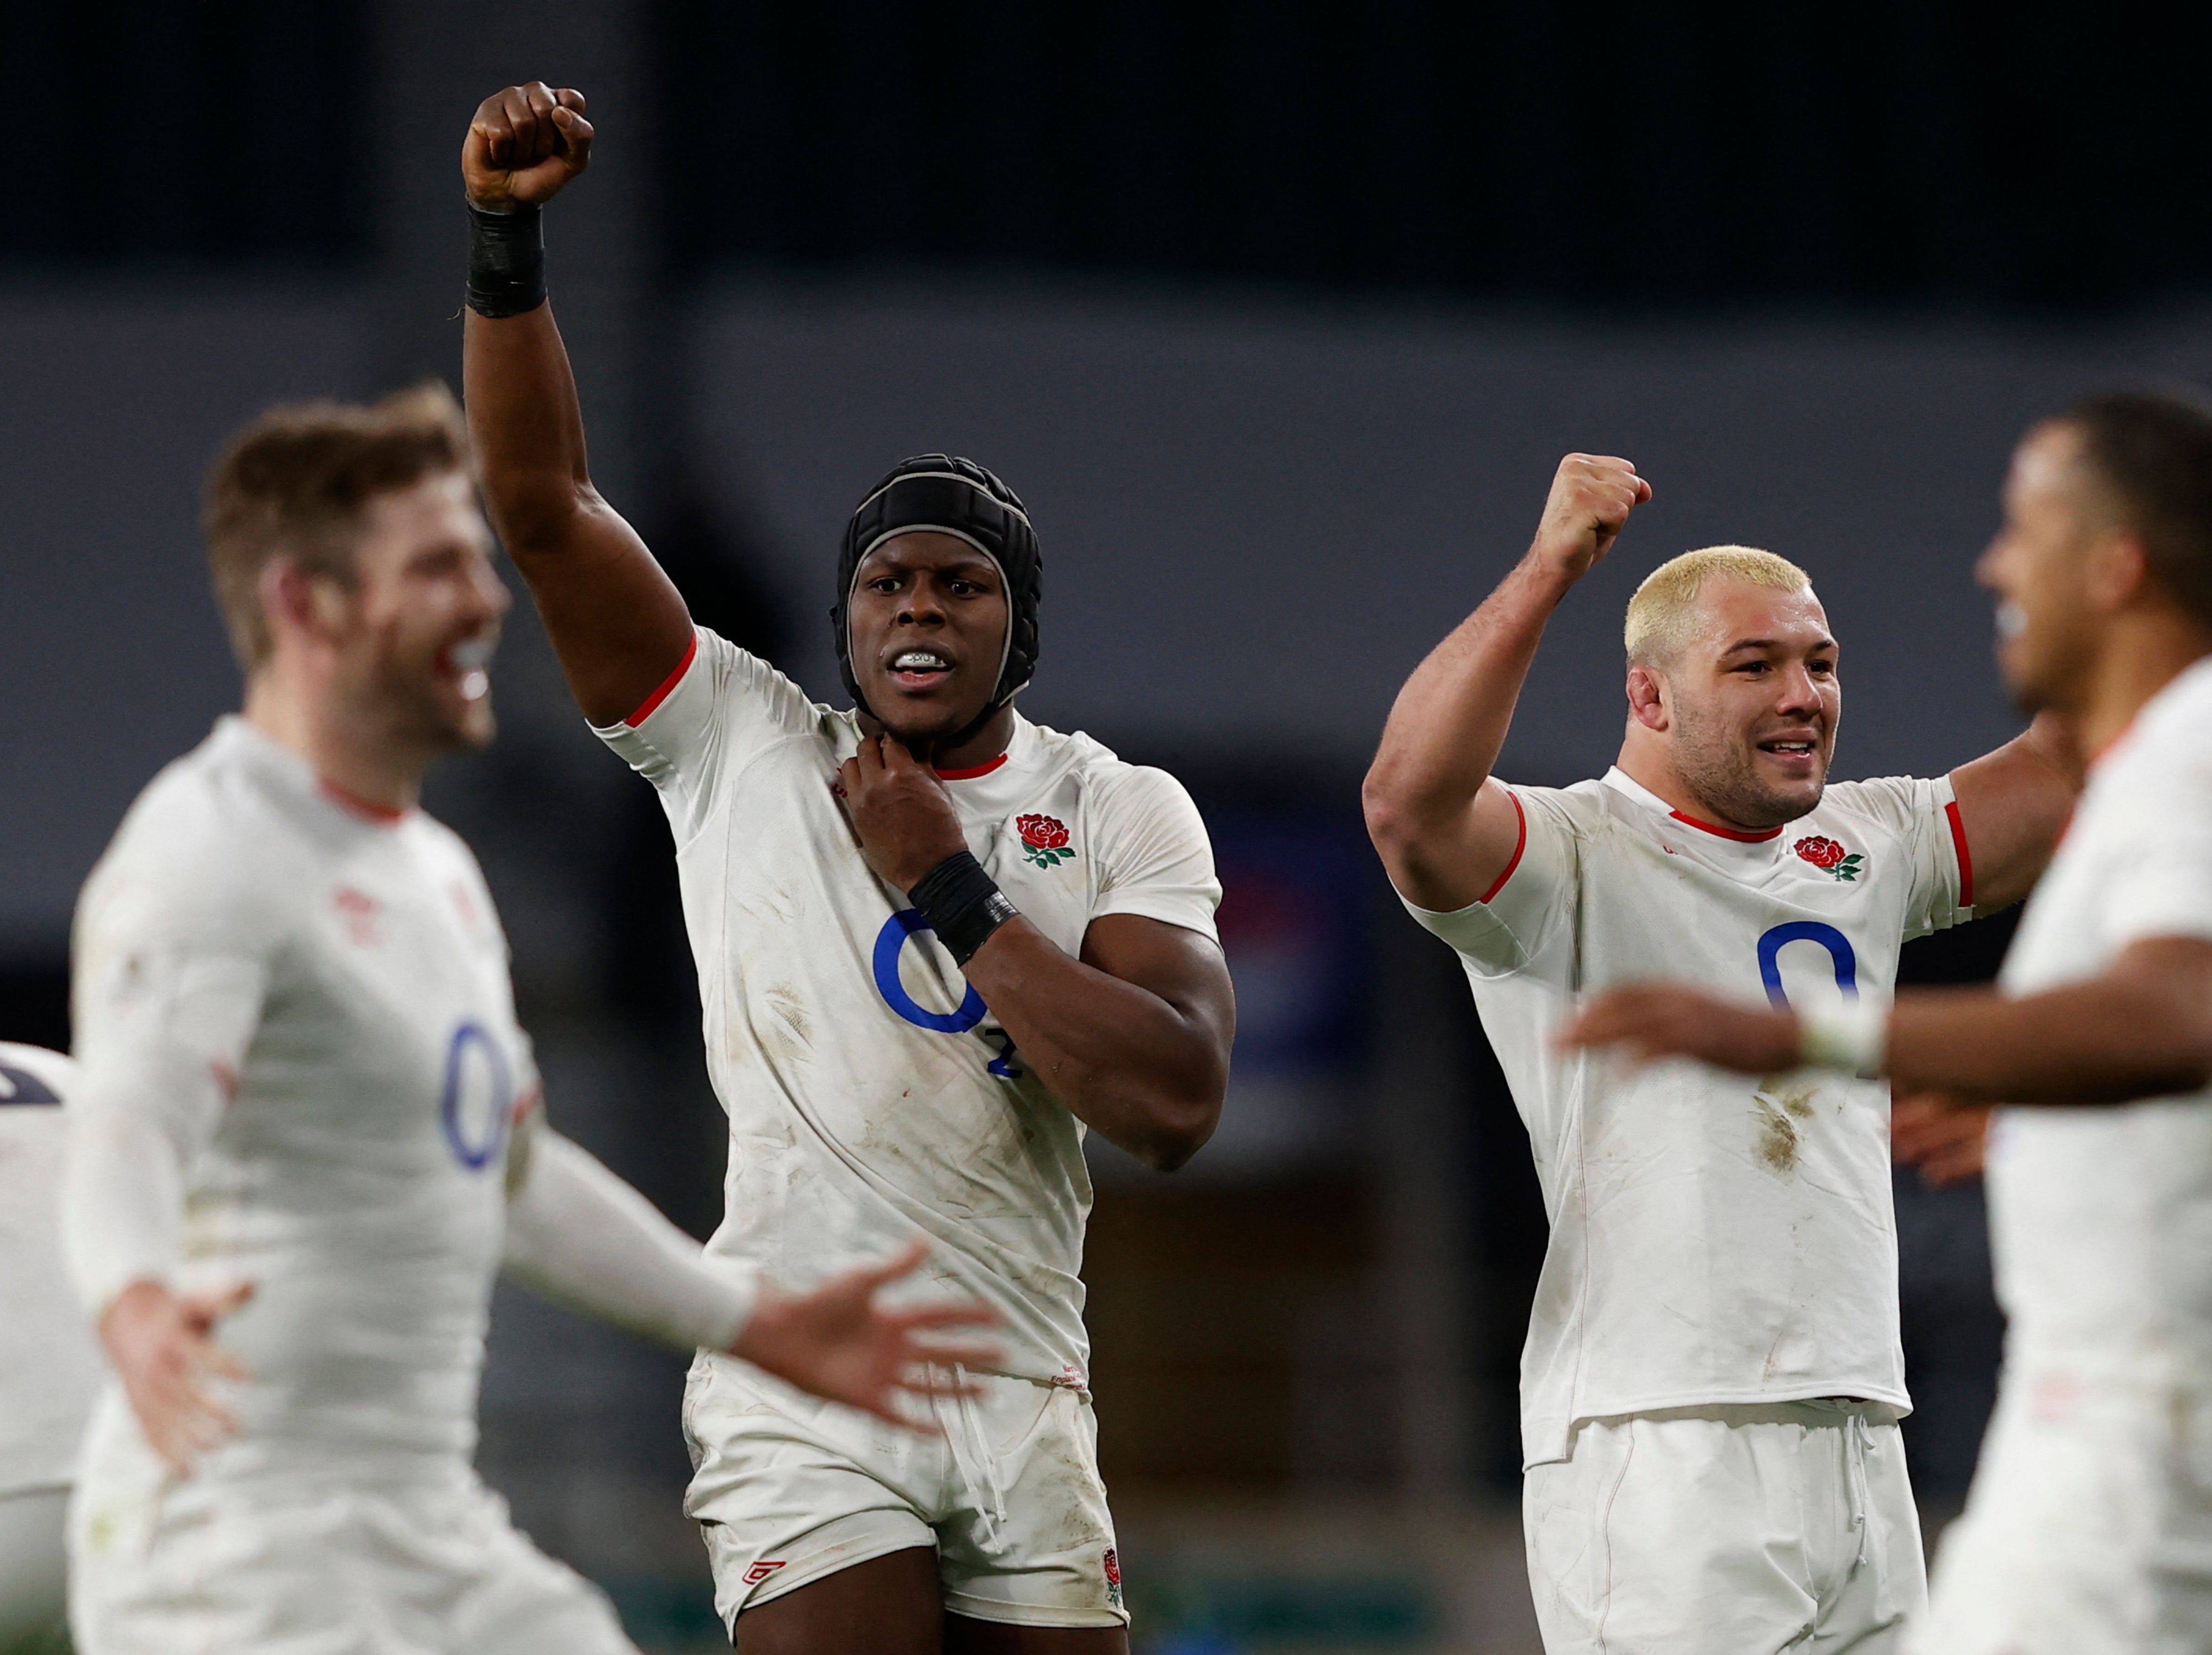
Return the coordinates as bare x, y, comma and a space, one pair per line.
963, 905
507, 261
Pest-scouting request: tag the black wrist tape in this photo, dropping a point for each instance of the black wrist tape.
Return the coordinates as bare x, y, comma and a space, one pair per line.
963, 905
507, 261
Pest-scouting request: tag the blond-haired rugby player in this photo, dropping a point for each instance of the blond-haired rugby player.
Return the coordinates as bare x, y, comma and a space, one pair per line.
1712, 1378
2089, 1529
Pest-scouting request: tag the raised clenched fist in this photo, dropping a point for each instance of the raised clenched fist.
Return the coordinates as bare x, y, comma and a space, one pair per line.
524, 145
1591, 497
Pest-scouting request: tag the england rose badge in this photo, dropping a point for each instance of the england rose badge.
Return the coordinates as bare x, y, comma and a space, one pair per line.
1831, 858
1044, 840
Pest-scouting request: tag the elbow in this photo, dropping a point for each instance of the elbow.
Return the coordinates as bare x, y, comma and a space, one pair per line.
1182, 1124
534, 512
1390, 825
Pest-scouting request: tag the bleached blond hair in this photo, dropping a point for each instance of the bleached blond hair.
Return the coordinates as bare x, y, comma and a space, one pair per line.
1662, 616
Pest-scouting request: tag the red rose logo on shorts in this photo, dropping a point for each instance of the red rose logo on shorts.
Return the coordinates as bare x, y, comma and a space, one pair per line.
1831, 858
1113, 1577
1044, 840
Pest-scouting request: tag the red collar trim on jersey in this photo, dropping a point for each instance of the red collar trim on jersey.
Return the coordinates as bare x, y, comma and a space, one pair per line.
353, 805
972, 771
1727, 833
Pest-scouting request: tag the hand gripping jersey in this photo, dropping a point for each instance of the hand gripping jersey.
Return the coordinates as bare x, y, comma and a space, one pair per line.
317, 1002
50, 1367
870, 1093
1713, 1239
2101, 1217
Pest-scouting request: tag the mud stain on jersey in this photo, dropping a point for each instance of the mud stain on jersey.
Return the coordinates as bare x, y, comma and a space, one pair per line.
1780, 1107
790, 1013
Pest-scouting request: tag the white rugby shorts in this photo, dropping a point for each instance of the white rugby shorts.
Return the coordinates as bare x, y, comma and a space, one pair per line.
2088, 1530
788, 1489
329, 1566
1750, 1529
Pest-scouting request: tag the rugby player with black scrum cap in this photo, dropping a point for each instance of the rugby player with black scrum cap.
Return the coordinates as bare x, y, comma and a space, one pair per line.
935, 941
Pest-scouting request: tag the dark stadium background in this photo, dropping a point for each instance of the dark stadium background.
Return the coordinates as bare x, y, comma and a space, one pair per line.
1280, 317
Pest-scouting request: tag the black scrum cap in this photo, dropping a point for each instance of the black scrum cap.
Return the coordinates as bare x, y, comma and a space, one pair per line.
950, 496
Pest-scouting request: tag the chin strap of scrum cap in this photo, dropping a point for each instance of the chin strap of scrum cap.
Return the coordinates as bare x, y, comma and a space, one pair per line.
943, 494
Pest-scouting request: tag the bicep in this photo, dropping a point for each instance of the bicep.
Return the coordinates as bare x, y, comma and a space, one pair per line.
1171, 962
615, 619
1463, 859
2013, 805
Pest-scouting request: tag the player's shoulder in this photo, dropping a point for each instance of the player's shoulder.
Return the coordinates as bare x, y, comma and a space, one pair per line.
1107, 781
1581, 807
208, 835
2168, 750
32, 1074
1886, 806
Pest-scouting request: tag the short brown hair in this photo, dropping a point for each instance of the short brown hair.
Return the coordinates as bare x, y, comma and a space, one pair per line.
2154, 453
297, 482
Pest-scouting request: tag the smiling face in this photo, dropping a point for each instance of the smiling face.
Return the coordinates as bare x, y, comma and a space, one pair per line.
2040, 567
928, 626
1747, 704
415, 633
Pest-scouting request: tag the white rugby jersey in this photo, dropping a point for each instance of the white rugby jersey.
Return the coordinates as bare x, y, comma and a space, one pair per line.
49, 1363
313, 1000
1714, 1238
871, 1093
2100, 1216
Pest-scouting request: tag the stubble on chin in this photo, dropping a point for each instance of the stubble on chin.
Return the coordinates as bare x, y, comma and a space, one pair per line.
1724, 776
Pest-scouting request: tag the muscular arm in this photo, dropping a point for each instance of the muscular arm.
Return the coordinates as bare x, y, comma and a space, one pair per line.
1132, 1039
2141, 1028
617, 622
1444, 830
2012, 805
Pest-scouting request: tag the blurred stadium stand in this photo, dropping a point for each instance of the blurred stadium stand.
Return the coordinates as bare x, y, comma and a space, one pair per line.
1280, 317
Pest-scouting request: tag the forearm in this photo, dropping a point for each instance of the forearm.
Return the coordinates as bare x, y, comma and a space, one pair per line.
526, 425
577, 1233
2111, 1039
1450, 719
1146, 1073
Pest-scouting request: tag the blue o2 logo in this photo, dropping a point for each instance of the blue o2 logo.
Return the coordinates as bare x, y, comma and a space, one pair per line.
890, 943
478, 1100
891, 947
1840, 956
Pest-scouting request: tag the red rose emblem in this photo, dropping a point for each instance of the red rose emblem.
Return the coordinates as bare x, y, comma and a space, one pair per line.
1823, 853
1049, 833
1113, 1569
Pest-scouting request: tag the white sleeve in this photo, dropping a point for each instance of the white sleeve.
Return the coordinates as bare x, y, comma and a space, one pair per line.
718, 709
1923, 813
1155, 859
1501, 931
577, 1233
163, 1030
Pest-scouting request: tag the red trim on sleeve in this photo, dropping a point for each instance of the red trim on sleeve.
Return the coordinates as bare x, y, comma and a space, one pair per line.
1727, 833
668, 684
1519, 845
1965, 858
971, 771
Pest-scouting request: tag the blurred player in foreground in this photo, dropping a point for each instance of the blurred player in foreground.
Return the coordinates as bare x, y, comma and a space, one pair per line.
877, 1082
1713, 1376
49, 1366
2089, 1528
305, 1110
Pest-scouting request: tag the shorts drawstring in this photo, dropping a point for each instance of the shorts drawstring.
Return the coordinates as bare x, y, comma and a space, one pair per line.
1857, 1439
979, 1479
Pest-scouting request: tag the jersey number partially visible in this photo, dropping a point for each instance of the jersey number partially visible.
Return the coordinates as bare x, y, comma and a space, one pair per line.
1840, 955
890, 945
478, 1100
20, 1086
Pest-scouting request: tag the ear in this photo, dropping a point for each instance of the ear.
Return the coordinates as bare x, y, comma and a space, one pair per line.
1647, 699
2116, 572
297, 602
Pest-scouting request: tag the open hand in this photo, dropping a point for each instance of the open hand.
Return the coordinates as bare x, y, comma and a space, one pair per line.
1653, 1020
162, 1346
1592, 496
1947, 1139
838, 1342
525, 145
900, 809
